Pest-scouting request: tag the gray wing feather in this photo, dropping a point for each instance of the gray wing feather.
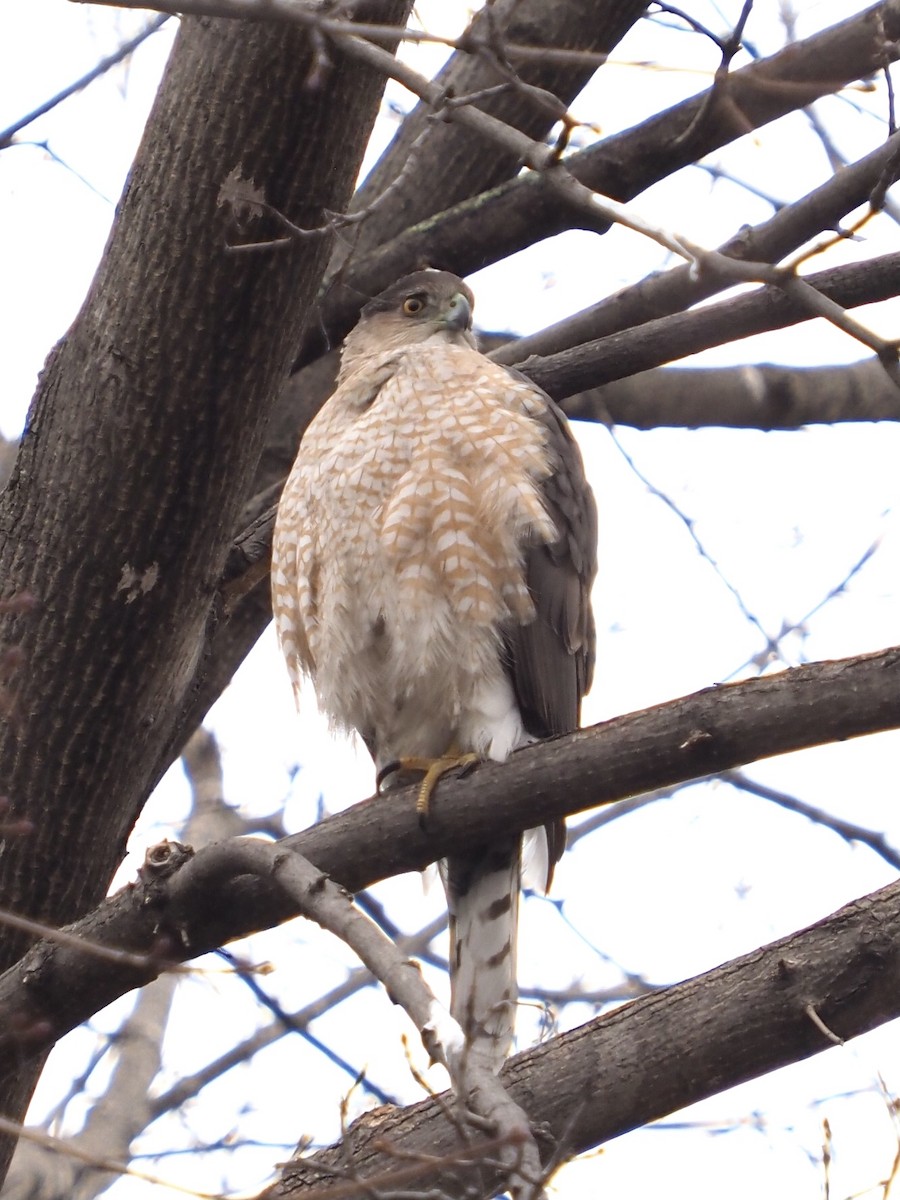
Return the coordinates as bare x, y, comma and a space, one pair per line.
551, 659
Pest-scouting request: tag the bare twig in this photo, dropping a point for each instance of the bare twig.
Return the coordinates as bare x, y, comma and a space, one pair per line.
189, 1086
713, 730
688, 523
718, 94
597, 211
760, 660
298, 12
62, 937
669, 338
849, 831
67, 1147
105, 64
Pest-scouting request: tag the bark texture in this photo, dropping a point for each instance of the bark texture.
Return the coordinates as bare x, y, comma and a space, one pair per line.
497, 223
142, 458
142, 442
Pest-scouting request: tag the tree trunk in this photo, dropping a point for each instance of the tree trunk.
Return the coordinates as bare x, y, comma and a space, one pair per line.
142, 442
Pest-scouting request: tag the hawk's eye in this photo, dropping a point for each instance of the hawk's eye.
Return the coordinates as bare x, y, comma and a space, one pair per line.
413, 305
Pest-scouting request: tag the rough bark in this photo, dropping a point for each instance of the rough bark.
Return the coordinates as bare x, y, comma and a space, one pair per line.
821, 210
465, 234
140, 454
125, 1108
444, 170
430, 165
143, 439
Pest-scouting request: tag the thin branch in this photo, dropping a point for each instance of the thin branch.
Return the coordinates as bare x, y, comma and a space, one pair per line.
598, 211
62, 937
718, 94
673, 337
788, 627
298, 12
104, 65
67, 1148
734, 1023
484, 229
316, 897
849, 831
679, 288
190, 1085
771, 646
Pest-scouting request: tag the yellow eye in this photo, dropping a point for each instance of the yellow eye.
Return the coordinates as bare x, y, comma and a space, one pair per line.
413, 305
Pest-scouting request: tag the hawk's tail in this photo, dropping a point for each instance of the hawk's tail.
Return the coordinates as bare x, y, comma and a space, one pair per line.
483, 899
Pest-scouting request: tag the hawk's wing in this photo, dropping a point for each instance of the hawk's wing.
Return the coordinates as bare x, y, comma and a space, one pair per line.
551, 659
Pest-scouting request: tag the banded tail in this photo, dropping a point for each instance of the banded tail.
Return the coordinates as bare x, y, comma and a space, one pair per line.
483, 900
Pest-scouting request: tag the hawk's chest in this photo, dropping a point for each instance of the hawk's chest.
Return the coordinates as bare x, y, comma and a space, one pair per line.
442, 421
418, 491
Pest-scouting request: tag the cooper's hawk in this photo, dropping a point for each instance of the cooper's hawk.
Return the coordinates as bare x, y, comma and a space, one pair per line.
432, 563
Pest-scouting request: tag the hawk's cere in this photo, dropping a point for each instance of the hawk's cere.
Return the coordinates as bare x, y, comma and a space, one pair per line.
432, 563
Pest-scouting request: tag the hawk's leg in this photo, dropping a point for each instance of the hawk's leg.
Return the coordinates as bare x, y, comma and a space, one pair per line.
433, 770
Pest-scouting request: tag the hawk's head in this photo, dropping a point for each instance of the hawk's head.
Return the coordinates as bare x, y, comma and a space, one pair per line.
428, 306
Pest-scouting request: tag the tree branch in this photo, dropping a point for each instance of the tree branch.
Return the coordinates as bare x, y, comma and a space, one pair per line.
188, 905
443, 170
680, 287
676, 336
744, 397
7, 136
515, 215
657, 1054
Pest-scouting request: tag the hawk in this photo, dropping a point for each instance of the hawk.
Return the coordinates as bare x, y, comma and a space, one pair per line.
432, 563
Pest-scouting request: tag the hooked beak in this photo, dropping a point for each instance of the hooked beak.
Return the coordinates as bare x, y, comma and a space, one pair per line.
457, 314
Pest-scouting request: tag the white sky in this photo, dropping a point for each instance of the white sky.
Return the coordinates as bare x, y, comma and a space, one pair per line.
672, 890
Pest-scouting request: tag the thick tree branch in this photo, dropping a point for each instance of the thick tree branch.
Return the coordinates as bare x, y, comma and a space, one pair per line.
154, 439
435, 158
764, 397
676, 336
657, 1054
674, 290
437, 169
150, 427
443, 169
746, 397
188, 905
517, 214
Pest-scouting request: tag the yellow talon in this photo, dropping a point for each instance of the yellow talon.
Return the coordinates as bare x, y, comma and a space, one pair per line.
432, 770
435, 769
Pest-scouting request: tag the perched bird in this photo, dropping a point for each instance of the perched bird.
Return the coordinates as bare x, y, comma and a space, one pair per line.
432, 564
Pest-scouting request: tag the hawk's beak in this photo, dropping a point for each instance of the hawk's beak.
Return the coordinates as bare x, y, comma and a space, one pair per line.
458, 313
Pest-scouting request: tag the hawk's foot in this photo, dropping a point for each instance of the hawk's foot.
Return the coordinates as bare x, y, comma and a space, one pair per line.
432, 770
